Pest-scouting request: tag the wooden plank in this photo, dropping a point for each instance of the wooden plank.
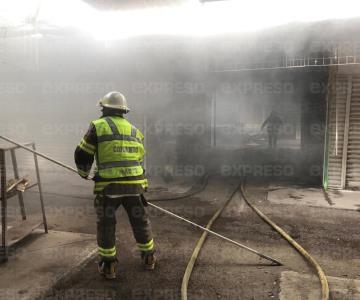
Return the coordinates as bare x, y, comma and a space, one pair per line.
13, 192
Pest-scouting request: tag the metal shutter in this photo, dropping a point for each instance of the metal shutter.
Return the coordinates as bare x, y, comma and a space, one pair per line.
336, 121
353, 153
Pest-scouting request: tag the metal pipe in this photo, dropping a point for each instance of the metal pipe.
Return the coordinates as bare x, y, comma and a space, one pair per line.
3, 250
40, 190
16, 175
40, 154
274, 261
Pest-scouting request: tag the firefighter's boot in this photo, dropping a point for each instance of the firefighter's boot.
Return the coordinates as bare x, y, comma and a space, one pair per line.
108, 269
149, 260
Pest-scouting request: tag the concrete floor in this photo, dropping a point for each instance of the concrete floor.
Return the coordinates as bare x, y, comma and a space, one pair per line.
41, 260
297, 195
222, 271
298, 286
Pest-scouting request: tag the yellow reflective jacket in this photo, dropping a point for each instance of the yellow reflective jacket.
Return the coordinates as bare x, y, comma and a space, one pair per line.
119, 153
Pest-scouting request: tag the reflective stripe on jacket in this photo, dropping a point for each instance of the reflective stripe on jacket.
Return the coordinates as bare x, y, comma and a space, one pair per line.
119, 153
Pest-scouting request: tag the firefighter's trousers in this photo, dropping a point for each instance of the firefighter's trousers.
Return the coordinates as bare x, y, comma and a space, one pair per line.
106, 224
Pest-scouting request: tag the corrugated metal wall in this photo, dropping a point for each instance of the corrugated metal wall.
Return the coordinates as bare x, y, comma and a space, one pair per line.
353, 159
343, 170
336, 121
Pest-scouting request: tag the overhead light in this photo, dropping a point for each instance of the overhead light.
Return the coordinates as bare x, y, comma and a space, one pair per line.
191, 18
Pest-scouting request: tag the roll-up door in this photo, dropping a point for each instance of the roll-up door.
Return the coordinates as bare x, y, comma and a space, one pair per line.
336, 125
353, 149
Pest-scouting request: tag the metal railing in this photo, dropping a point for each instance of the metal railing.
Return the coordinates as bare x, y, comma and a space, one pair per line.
6, 193
289, 63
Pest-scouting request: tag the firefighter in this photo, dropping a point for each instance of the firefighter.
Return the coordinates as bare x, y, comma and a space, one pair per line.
272, 124
118, 149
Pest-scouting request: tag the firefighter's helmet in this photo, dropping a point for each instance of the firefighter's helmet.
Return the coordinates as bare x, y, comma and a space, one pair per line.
114, 100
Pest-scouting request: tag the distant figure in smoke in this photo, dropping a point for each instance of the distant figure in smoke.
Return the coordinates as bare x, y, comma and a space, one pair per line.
272, 124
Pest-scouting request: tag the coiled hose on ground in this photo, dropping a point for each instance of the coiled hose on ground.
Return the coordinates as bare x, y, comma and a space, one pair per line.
287, 237
199, 244
323, 280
